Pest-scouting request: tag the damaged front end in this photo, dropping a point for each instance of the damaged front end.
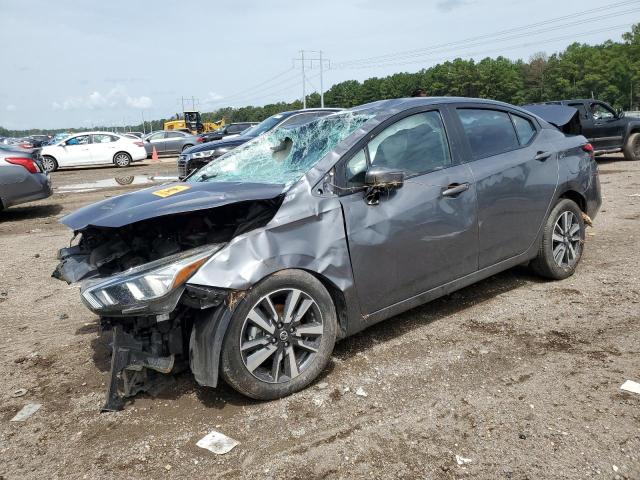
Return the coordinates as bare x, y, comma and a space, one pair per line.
134, 276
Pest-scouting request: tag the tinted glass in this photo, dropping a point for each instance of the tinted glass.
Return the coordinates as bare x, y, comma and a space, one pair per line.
599, 111
175, 135
524, 127
156, 136
581, 109
489, 131
355, 169
104, 138
415, 144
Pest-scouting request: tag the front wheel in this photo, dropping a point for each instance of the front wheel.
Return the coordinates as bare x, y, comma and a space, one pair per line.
281, 336
632, 147
562, 242
122, 159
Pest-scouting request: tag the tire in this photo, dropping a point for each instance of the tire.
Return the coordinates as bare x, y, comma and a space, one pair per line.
631, 149
563, 241
49, 163
276, 376
122, 159
186, 146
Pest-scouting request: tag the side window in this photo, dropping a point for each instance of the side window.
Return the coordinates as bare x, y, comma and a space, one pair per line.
175, 135
581, 109
81, 140
156, 136
489, 132
525, 129
355, 169
600, 112
415, 144
104, 138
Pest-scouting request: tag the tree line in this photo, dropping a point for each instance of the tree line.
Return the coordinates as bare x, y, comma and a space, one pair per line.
609, 71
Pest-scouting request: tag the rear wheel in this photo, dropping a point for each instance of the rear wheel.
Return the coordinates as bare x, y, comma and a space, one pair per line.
122, 159
281, 336
562, 242
186, 146
49, 164
632, 147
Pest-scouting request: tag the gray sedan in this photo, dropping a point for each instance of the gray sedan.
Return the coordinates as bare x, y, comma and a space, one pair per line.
255, 266
22, 177
168, 142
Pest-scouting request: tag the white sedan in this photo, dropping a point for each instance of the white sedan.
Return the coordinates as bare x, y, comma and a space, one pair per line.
92, 148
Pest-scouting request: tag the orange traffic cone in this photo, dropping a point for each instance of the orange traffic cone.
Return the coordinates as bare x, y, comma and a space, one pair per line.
154, 155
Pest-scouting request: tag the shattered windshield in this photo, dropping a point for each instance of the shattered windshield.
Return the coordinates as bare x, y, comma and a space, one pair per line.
263, 126
282, 156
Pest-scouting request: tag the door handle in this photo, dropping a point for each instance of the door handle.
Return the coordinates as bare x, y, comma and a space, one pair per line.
542, 156
455, 189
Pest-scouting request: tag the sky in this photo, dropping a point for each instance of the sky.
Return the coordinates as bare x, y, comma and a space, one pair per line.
86, 62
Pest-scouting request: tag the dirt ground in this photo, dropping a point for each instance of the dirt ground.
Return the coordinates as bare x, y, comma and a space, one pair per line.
518, 375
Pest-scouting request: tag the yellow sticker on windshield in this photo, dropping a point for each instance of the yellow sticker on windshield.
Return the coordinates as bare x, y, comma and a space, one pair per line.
167, 192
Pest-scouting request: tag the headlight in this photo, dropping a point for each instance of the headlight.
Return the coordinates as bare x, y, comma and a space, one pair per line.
205, 154
152, 288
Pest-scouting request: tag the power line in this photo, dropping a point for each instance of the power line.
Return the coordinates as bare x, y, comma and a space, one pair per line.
501, 49
417, 52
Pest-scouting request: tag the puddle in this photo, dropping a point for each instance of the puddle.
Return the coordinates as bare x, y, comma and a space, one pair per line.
115, 182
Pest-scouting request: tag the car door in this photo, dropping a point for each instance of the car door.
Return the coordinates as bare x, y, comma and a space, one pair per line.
103, 148
515, 170
421, 235
76, 151
156, 140
173, 142
608, 127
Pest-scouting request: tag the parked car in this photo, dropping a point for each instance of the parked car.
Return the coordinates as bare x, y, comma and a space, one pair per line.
608, 130
253, 267
92, 148
194, 158
22, 177
168, 142
231, 130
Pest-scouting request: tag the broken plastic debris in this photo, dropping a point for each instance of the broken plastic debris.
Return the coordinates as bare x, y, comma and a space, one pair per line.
461, 460
28, 410
20, 392
631, 386
217, 443
360, 392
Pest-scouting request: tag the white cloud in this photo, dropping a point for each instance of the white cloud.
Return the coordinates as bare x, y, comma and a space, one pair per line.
139, 102
115, 98
10, 108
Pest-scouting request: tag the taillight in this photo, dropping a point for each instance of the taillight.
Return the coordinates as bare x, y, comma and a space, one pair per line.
139, 144
25, 162
200, 140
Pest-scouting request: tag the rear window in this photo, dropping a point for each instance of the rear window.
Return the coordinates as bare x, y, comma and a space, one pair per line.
489, 132
525, 129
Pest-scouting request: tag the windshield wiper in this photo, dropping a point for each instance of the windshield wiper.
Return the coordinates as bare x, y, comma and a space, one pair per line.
206, 177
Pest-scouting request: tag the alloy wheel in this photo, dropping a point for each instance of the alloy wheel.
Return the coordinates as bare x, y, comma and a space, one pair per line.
48, 164
122, 159
281, 335
566, 241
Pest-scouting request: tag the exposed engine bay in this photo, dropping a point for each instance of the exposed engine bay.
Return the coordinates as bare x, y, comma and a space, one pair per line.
146, 345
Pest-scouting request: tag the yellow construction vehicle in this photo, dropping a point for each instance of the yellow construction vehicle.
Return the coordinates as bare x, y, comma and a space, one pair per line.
191, 121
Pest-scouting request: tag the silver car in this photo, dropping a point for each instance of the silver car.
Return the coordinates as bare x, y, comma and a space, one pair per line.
22, 177
168, 142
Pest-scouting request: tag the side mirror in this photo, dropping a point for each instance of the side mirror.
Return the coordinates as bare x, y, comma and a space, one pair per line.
383, 178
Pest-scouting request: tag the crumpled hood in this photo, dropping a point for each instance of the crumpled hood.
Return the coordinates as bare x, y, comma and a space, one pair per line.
167, 199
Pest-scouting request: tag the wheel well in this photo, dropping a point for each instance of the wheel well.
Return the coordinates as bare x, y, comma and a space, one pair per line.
338, 300
116, 154
576, 197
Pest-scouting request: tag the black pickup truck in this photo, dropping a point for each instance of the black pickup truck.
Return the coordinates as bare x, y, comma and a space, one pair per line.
608, 130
